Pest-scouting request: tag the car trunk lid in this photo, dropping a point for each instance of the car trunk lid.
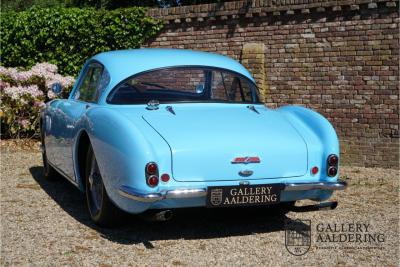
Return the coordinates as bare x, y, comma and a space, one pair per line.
205, 139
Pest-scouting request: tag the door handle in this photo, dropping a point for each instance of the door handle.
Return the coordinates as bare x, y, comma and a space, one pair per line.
87, 106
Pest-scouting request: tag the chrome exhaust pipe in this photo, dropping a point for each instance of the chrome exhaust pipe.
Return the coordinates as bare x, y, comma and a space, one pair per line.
320, 206
158, 216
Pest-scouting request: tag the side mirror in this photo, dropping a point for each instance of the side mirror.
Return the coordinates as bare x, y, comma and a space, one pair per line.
200, 88
56, 88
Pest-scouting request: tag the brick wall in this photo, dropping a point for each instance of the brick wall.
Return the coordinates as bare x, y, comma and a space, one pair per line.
340, 58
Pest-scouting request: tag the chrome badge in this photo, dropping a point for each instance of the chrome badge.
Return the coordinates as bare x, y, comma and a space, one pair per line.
245, 173
246, 160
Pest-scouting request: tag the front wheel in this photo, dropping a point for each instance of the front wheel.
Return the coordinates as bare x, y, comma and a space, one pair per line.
102, 211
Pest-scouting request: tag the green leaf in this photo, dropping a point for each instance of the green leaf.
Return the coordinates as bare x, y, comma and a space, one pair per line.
67, 37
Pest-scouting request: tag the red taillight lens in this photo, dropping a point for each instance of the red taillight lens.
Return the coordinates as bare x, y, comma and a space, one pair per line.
333, 160
151, 174
332, 171
314, 170
151, 168
165, 177
152, 181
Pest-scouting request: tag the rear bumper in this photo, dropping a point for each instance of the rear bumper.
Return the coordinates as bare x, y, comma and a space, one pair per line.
131, 193
153, 197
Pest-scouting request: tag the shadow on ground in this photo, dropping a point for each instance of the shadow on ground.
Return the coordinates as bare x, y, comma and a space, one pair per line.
195, 223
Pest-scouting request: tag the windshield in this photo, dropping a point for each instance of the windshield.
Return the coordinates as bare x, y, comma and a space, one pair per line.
185, 84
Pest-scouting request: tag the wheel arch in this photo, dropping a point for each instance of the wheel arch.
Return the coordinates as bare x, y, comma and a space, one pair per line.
81, 148
122, 144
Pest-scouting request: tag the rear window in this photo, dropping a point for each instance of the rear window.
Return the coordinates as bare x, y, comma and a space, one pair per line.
185, 84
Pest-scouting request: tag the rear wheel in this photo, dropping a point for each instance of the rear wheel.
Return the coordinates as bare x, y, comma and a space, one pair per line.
102, 211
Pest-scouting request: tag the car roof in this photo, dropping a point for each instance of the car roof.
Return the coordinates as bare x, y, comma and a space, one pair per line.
122, 64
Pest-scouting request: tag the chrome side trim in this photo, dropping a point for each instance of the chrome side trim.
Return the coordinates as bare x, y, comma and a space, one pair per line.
339, 185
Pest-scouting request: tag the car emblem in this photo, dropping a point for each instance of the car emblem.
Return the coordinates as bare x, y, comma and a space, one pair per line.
246, 160
245, 173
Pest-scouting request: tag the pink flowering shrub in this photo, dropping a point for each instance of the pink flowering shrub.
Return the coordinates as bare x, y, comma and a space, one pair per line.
23, 93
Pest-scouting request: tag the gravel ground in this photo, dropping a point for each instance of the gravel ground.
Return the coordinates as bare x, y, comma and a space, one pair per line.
46, 224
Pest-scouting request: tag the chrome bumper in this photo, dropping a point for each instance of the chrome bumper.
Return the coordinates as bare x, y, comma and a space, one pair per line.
339, 185
131, 193
153, 197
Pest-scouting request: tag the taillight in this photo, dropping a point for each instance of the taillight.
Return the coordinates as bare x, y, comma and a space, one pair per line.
165, 177
332, 171
151, 168
333, 162
152, 180
151, 174
314, 170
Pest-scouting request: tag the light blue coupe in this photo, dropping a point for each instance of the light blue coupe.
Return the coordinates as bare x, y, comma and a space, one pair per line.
151, 130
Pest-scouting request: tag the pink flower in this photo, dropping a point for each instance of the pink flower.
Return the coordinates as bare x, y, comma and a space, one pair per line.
22, 76
16, 92
57, 78
44, 68
51, 95
24, 123
16, 75
39, 104
3, 84
2, 70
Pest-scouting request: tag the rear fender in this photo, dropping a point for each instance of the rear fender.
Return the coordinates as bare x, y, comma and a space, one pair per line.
319, 134
122, 148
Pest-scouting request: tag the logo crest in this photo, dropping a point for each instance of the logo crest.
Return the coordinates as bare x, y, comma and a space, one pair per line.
298, 236
216, 197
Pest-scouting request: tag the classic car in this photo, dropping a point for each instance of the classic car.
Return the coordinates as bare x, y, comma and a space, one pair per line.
153, 130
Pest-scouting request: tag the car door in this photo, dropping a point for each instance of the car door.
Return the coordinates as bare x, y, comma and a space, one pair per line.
70, 112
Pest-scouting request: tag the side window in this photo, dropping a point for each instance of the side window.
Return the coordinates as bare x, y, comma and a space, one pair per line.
87, 88
228, 87
104, 81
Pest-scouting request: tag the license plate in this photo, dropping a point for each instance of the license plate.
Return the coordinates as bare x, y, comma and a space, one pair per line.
243, 195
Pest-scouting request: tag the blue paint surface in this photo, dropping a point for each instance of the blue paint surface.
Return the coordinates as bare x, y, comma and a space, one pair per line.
195, 146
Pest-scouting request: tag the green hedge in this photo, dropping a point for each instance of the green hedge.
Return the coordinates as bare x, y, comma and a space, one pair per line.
68, 36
